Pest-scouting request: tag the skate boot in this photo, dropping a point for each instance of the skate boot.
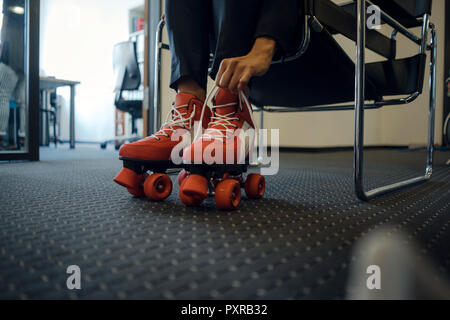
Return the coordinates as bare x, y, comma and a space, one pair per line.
154, 154
216, 161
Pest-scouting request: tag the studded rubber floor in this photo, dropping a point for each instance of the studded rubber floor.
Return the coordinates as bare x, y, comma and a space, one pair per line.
296, 243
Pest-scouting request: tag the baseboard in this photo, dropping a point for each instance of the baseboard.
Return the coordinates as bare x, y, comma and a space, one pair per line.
81, 142
338, 149
313, 149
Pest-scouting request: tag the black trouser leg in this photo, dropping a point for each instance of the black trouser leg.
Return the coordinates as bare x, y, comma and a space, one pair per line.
189, 27
235, 23
225, 27
198, 27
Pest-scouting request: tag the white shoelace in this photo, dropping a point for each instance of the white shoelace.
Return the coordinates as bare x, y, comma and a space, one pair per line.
178, 120
224, 121
218, 120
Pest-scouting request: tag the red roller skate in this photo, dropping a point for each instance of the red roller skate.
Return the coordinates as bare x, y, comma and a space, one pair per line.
216, 162
153, 154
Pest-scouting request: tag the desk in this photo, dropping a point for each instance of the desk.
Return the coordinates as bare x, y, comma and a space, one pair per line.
47, 83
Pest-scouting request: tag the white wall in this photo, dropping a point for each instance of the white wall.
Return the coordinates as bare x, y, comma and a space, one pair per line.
408, 124
1, 15
77, 39
400, 125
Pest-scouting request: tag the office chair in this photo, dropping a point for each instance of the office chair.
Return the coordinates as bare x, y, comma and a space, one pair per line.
324, 76
333, 80
128, 79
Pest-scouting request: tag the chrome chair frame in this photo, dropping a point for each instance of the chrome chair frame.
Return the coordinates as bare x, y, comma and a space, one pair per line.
360, 105
358, 160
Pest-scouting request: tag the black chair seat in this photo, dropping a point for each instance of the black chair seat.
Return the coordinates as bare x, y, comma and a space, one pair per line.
133, 107
304, 82
398, 77
325, 74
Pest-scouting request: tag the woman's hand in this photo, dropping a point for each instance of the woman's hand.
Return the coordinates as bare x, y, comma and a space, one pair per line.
235, 73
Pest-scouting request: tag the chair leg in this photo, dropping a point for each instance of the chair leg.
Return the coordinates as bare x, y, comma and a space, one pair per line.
55, 138
133, 125
360, 74
155, 111
432, 106
358, 159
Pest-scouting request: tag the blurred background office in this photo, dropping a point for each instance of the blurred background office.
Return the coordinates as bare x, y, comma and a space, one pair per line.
77, 41
84, 48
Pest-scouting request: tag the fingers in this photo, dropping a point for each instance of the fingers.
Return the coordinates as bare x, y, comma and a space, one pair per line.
227, 66
234, 75
244, 80
222, 68
236, 78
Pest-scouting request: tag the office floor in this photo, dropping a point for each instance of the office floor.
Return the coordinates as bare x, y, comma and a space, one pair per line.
295, 243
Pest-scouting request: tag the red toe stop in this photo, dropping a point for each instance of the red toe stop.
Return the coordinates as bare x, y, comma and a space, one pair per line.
128, 178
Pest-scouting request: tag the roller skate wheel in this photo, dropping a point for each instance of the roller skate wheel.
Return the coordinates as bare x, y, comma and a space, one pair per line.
228, 195
158, 187
255, 186
193, 190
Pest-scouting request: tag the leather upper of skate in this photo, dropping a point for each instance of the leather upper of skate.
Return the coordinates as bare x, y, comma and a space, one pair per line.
227, 139
186, 110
